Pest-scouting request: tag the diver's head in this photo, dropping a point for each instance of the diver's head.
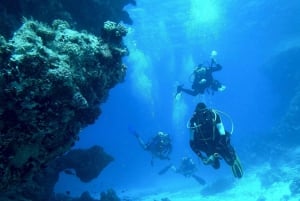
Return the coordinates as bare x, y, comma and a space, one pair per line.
200, 107
201, 70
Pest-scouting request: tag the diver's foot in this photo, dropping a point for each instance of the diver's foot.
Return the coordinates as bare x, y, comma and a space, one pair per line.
237, 168
222, 88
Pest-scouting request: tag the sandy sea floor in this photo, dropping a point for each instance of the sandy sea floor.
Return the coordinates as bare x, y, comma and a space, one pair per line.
249, 188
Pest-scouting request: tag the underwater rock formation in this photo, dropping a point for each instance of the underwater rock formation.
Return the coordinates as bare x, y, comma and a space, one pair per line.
273, 175
87, 14
95, 159
41, 187
53, 80
109, 195
85, 196
284, 72
295, 186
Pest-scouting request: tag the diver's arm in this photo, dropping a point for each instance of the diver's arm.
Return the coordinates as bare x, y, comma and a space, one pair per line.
216, 67
141, 141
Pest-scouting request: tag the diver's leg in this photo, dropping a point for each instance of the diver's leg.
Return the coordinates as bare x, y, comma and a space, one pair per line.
225, 149
190, 92
141, 141
195, 147
199, 179
229, 155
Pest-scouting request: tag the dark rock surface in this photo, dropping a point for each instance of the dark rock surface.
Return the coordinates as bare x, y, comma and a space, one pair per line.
283, 72
109, 195
87, 165
53, 80
88, 14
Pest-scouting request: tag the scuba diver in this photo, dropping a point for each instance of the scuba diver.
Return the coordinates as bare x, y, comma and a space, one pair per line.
159, 146
187, 168
208, 135
203, 80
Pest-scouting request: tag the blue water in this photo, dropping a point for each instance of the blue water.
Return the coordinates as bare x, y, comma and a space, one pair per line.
168, 38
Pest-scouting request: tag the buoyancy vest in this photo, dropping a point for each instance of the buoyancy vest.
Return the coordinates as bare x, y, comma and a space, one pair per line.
203, 125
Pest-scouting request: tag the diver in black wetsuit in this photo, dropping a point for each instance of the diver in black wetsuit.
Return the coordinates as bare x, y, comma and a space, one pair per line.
159, 146
203, 80
187, 168
209, 136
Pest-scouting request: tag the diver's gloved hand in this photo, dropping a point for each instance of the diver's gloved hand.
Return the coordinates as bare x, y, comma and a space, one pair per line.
179, 88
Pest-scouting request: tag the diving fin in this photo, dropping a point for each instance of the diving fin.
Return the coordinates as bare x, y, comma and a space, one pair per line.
199, 179
165, 169
237, 168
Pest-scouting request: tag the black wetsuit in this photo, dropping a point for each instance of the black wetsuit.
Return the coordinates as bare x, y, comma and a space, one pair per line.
197, 86
207, 138
160, 147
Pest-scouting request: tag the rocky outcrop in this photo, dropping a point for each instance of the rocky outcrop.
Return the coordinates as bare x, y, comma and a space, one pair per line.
41, 187
109, 195
53, 80
88, 14
284, 72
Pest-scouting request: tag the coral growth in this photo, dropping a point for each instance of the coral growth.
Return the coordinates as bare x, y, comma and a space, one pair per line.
53, 80
110, 195
295, 186
84, 15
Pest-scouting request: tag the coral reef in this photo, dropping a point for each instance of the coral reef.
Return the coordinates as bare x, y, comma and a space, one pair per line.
218, 186
272, 176
53, 80
88, 14
110, 195
295, 186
